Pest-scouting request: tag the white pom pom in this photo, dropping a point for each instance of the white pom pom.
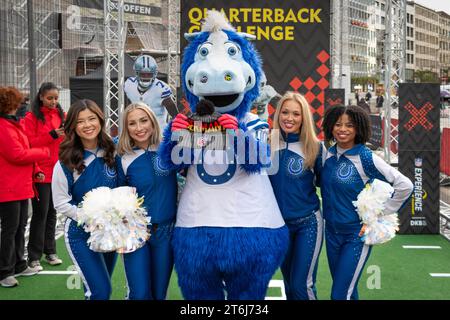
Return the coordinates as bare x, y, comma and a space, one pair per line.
115, 219
370, 205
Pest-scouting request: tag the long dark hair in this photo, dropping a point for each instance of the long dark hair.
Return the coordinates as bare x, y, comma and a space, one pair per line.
71, 149
36, 104
357, 115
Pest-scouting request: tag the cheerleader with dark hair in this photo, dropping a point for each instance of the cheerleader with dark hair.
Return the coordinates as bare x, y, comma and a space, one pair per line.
347, 166
86, 161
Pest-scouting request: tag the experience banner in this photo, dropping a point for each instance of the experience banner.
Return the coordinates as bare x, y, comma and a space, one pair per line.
419, 150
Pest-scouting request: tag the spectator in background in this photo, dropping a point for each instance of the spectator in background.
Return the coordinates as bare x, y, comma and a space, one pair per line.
21, 112
17, 167
380, 102
368, 97
357, 96
363, 104
44, 126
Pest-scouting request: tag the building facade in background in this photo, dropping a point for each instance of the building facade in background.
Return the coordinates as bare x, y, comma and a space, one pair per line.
444, 47
410, 46
362, 40
427, 42
69, 38
426, 39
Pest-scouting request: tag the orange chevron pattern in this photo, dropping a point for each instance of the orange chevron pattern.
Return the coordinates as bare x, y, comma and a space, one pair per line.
313, 88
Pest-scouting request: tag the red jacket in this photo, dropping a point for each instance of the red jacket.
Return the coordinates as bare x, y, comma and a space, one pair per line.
17, 162
38, 134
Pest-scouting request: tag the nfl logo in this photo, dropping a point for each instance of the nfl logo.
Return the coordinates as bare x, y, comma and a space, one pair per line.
418, 162
201, 142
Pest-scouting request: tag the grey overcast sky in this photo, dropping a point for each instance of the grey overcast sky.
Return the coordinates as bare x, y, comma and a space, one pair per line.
438, 5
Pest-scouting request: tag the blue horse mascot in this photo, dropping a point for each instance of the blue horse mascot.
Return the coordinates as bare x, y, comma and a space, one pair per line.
229, 237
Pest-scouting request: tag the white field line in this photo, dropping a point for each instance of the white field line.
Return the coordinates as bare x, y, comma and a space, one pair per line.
58, 235
422, 247
277, 284
57, 272
440, 275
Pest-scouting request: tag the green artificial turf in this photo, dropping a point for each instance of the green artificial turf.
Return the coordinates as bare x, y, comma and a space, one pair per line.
391, 273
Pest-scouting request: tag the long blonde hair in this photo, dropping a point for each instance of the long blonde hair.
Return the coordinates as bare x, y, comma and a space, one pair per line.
126, 143
309, 141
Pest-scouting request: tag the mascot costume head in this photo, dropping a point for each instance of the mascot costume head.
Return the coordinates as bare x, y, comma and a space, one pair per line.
222, 66
229, 237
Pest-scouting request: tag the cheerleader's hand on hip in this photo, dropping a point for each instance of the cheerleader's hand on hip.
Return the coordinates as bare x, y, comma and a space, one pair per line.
362, 233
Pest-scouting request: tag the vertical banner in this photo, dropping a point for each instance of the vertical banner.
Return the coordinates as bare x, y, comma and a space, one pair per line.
419, 150
334, 97
292, 36
376, 138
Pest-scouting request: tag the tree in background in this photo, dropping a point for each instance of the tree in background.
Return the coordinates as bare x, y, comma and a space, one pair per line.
425, 76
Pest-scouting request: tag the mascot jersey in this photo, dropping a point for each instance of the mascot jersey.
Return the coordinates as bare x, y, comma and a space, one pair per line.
153, 97
225, 195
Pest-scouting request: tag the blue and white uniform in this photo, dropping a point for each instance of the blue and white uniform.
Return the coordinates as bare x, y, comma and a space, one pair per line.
295, 190
343, 176
149, 268
68, 189
153, 97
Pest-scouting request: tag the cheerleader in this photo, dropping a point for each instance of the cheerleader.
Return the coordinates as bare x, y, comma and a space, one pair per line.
86, 161
149, 268
348, 166
296, 149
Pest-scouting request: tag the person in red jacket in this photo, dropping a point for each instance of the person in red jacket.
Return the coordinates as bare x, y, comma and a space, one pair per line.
44, 126
17, 167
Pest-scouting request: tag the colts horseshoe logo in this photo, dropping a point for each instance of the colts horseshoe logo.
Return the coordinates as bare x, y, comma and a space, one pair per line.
295, 166
159, 169
344, 171
110, 172
220, 179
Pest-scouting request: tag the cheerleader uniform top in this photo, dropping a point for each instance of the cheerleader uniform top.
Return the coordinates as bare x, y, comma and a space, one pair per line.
343, 177
293, 184
69, 187
142, 170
